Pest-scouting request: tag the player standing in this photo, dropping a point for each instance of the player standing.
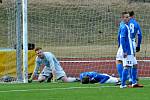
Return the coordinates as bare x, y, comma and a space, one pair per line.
119, 56
135, 30
125, 51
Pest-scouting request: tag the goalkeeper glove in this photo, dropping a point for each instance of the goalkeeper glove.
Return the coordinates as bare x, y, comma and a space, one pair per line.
137, 49
30, 80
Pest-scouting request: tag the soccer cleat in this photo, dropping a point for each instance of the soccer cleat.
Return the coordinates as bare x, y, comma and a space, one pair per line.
118, 83
77, 79
125, 86
137, 85
49, 78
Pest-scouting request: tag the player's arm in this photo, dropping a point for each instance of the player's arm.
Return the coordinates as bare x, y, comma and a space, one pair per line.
123, 41
52, 65
81, 76
139, 34
119, 30
35, 72
118, 40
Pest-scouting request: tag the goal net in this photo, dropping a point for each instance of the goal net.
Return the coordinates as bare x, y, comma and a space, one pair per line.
7, 38
81, 33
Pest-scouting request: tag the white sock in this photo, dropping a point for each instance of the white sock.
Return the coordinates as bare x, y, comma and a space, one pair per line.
71, 79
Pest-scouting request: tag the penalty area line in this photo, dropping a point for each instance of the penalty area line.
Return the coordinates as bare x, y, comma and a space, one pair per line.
67, 88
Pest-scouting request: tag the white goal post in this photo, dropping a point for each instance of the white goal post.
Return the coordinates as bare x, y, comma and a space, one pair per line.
25, 41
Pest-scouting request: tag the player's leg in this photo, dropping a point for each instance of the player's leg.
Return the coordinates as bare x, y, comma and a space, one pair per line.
69, 79
45, 75
119, 64
127, 62
49, 78
61, 75
130, 76
134, 71
134, 74
112, 80
45, 78
124, 77
41, 78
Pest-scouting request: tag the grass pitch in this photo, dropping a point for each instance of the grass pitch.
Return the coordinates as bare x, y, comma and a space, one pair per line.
72, 91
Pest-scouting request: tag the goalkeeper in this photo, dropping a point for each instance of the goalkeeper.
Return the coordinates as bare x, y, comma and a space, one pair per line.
51, 68
94, 77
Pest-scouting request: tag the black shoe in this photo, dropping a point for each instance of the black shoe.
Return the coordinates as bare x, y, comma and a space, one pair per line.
49, 78
118, 83
77, 79
137, 85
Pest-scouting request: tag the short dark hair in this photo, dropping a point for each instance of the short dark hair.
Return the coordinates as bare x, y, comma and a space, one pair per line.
125, 12
37, 48
131, 13
85, 80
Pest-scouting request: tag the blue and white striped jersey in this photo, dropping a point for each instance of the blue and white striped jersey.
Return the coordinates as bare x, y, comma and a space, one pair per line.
135, 30
101, 78
125, 40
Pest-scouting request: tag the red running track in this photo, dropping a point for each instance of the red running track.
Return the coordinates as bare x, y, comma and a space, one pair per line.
74, 66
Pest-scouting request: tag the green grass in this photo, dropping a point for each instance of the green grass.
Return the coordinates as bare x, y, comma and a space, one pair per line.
72, 91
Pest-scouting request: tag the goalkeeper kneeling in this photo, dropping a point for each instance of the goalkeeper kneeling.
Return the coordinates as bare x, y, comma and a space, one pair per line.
50, 68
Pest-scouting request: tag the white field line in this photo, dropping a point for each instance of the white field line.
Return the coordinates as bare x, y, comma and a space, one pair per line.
67, 88
86, 61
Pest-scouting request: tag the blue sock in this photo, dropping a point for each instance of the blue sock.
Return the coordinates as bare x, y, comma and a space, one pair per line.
130, 74
120, 69
134, 75
124, 77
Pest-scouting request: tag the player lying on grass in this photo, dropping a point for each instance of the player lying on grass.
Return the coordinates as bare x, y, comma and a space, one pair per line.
49, 67
94, 77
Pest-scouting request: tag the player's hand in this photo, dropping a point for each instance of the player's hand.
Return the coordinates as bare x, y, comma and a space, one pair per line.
125, 55
30, 80
137, 49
